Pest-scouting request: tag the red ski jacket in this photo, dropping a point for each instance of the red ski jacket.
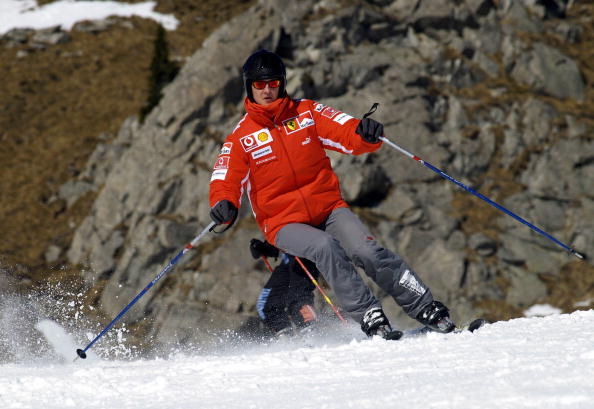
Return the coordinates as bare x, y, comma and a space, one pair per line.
276, 154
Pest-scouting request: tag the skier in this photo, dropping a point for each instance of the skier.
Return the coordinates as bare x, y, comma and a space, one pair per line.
277, 155
287, 298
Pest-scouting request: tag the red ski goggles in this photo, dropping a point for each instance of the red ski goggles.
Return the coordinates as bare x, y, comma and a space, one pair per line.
262, 84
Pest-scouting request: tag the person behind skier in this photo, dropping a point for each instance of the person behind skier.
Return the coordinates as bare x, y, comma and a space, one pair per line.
287, 298
276, 154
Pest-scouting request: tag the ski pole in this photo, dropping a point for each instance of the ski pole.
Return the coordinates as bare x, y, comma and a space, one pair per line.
313, 280
267, 263
82, 352
486, 199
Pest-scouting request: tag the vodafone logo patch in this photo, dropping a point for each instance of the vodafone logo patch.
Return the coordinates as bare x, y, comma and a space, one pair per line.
222, 162
255, 140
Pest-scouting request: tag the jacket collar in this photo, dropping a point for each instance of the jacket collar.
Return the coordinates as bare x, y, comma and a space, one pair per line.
268, 115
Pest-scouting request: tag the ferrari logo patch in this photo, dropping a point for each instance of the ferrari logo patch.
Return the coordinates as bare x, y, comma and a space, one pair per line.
297, 123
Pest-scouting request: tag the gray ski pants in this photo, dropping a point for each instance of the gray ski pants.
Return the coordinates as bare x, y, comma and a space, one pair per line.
341, 243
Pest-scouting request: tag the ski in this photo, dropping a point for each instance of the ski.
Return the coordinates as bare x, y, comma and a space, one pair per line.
394, 335
476, 324
472, 326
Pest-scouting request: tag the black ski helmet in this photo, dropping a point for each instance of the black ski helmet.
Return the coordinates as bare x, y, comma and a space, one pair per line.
264, 65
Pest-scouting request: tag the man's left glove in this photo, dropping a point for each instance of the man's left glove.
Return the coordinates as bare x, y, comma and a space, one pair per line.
370, 130
223, 212
260, 248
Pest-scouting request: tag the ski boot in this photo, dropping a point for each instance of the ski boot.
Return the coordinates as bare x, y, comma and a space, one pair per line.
375, 322
284, 334
436, 316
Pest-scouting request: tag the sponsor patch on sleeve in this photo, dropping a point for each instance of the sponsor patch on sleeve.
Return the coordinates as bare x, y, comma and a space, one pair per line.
222, 162
219, 174
319, 107
342, 118
226, 149
330, 112
255, 140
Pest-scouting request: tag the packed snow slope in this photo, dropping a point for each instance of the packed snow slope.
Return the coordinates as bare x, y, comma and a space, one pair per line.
523, 363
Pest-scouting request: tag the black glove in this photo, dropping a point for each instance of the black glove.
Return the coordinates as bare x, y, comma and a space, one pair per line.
262, 248
370, 130
224, 212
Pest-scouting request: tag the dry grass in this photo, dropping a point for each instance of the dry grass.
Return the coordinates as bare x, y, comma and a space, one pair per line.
54, 103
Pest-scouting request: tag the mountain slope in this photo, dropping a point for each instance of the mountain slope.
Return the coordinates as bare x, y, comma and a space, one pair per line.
522, 363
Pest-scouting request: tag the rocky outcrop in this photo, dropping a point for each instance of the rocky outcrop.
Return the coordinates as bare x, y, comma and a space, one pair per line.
446, 77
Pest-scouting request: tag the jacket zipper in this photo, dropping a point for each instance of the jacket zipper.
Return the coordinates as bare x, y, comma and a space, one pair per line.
294, 173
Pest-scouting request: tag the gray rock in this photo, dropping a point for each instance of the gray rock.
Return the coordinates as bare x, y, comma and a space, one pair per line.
547, 69
486, 63
94, 26
17, 37
486, 39
525, 288
472, 153
398, 206
533, 253
50, 36
571, 33
484, 246
536, 122
52, 254
440, 268
516, 19
72, 190
563, 171
402, 8
365, 187
575, 127
456, 241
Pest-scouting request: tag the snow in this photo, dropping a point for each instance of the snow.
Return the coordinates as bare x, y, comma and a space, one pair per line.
60, 340
541, 310
540, 362
66, 13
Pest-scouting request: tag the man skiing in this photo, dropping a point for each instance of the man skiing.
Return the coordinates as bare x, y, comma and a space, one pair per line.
277, 155
287, 298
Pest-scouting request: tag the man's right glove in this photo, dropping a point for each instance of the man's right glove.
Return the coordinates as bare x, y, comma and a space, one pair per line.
223, 212
262, 248
370, 130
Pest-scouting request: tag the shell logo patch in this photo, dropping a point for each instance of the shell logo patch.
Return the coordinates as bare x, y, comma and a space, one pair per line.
255, 140
297, 123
